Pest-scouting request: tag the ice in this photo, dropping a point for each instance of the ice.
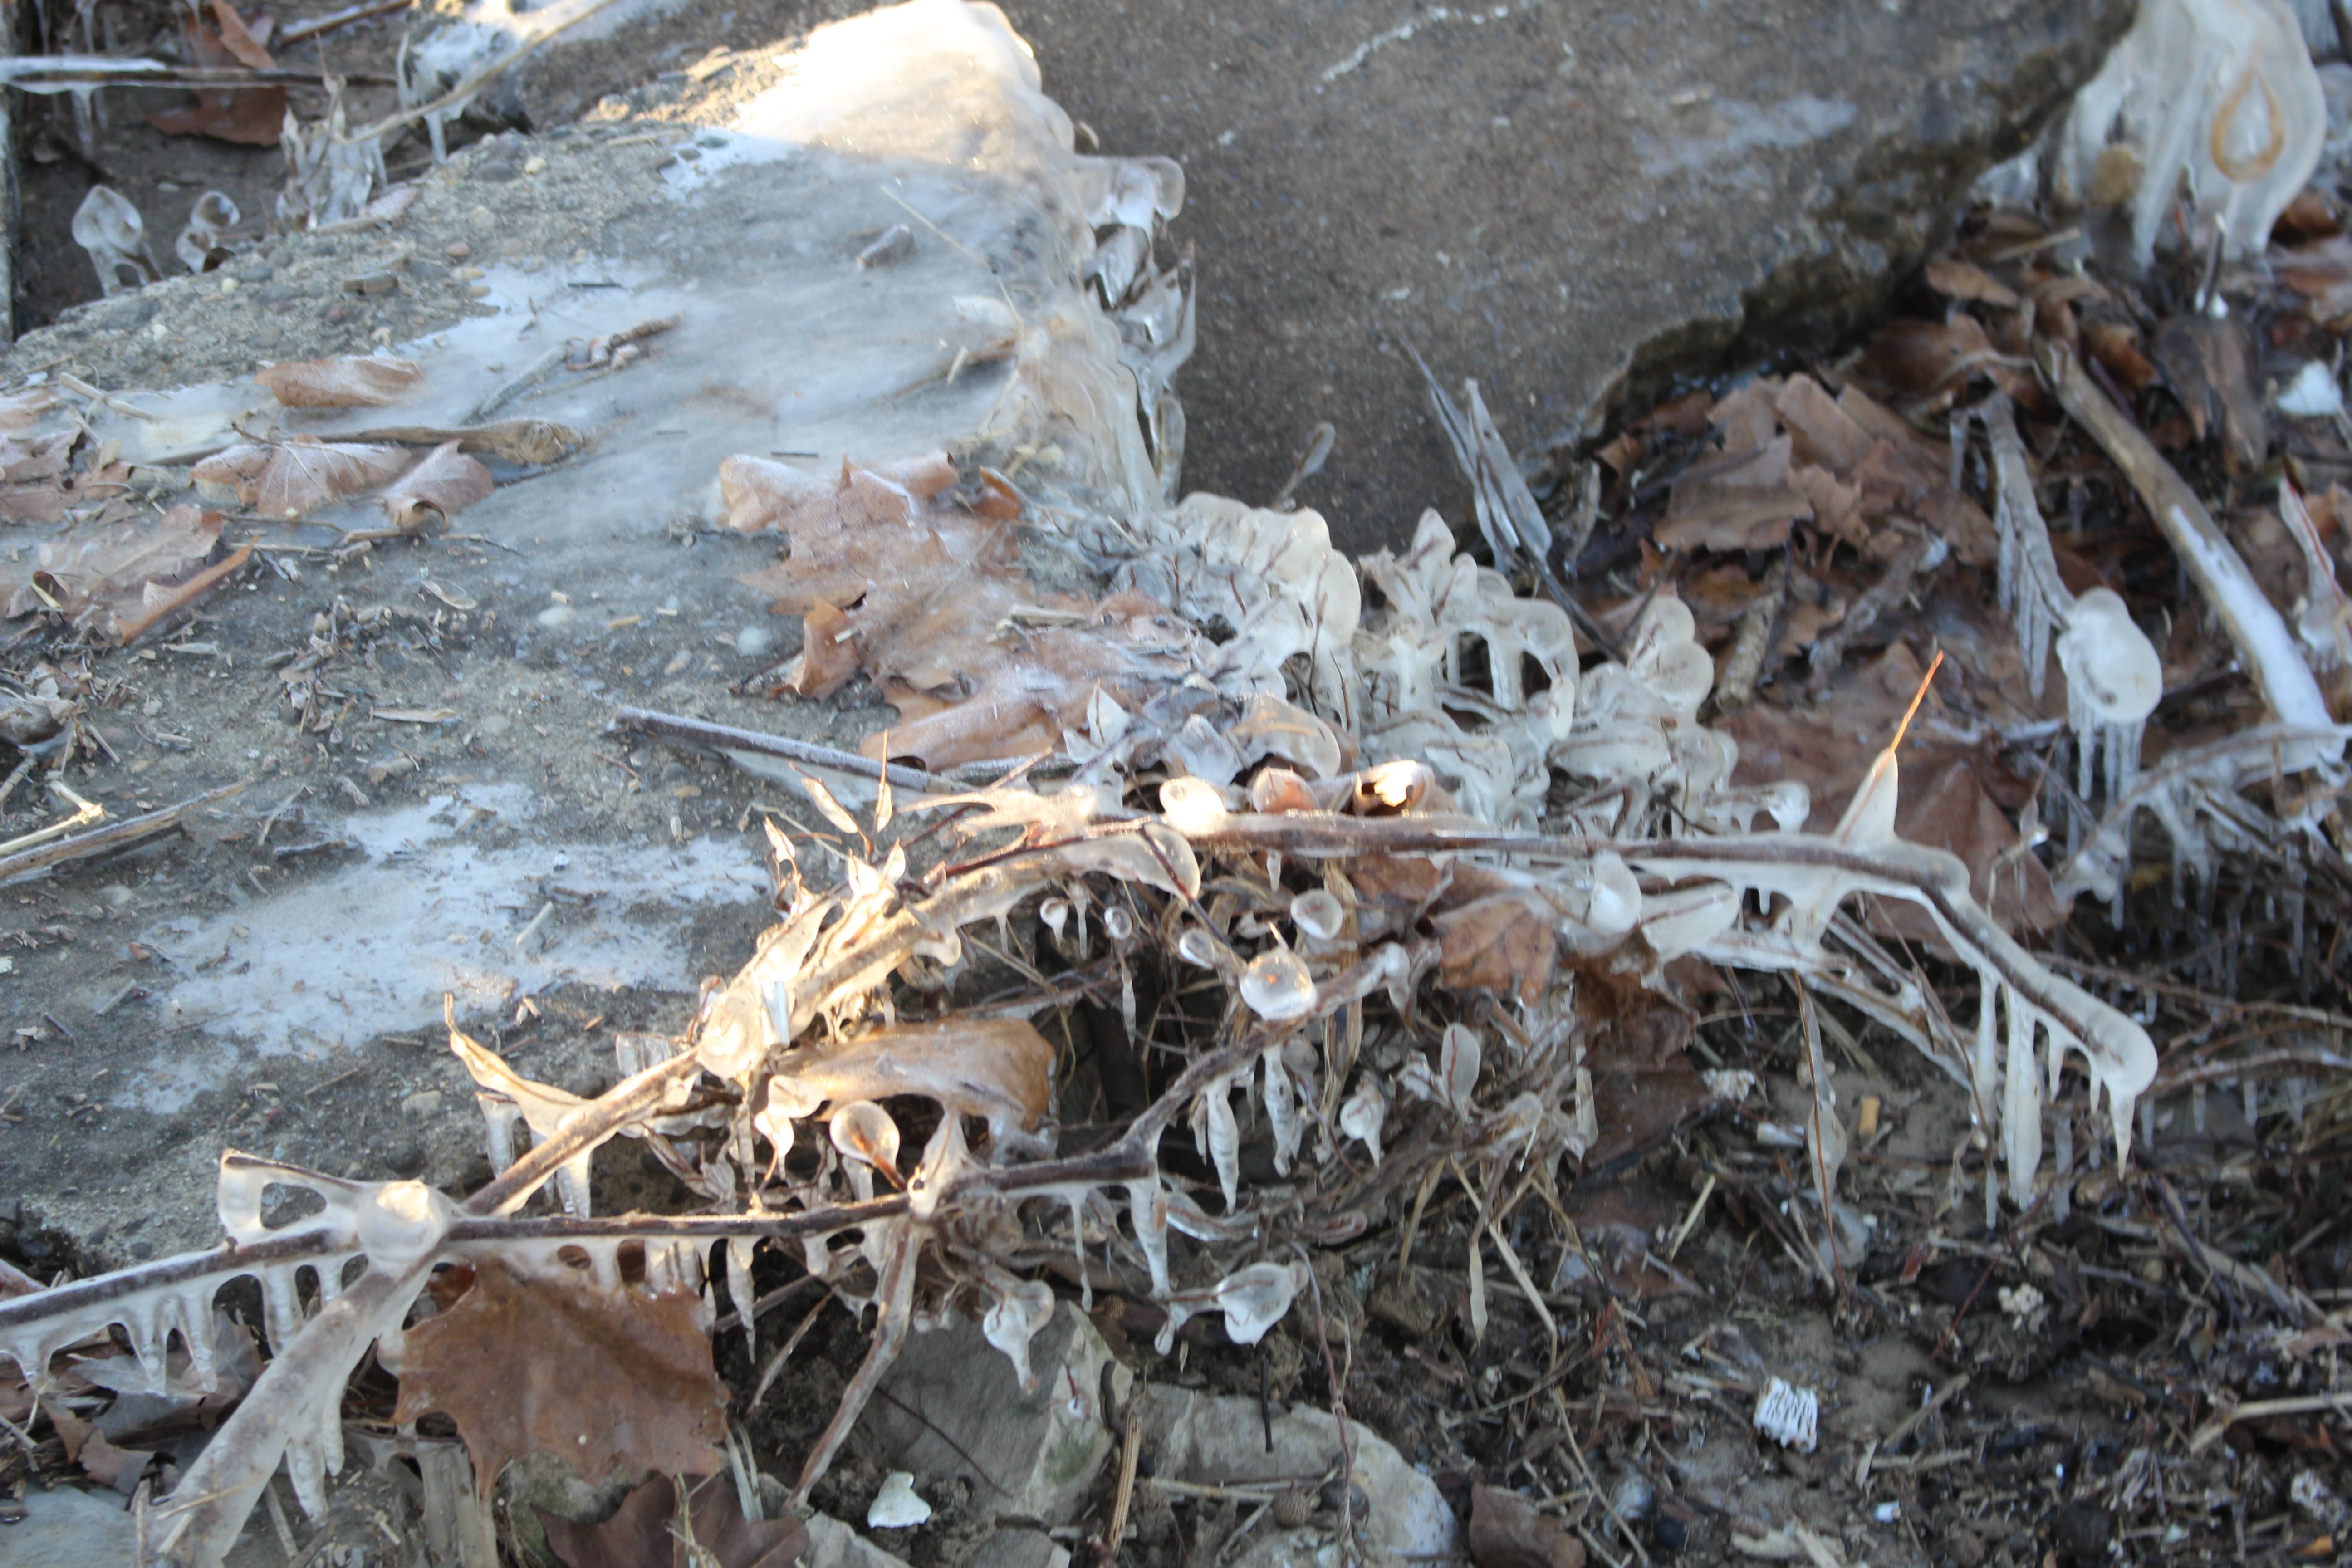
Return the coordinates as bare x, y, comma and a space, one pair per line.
430, 909
2219, 91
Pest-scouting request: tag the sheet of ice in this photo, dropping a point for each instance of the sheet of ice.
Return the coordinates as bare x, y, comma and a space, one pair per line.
983, 336
372, 947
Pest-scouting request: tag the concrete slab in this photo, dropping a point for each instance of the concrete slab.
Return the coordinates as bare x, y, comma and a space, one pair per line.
1549, 195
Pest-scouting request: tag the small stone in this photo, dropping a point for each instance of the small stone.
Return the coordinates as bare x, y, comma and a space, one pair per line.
465, 274
458, 250
537, 165
407, 1161
555, 616
896, 1506
753, 641
423, 1103
373, 283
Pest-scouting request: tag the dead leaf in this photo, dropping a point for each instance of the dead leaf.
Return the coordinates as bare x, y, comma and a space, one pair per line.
1505, 1532
1958, 280
1824, 433
297, 476
346, 380
1916, 357
828, 656
2210, 367
2321, 273
1837, 505
1951, 799
443, 483
1903, 479
2115, 346
254, 115
1504, 944
982, 662
1000, 1070
1750, 417
643, 1532
608, 1379
108, 1466
238, 39
112, 570
1747, 505
1643, 1085
22, 410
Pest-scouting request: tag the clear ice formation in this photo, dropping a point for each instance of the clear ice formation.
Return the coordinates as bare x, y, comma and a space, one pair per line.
2113, 678
2219, 93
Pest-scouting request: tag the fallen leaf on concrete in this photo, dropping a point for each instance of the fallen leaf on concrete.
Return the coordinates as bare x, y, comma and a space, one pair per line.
443, 483
646, 1532
1503, 944
1505, 1532
931, 601
119, 573
296, 476
253, 116
347, 380
21, 410
608, 1379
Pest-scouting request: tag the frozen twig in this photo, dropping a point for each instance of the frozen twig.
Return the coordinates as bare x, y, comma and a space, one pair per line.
2263, 642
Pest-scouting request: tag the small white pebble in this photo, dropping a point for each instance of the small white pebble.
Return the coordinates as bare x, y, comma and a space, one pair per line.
753, 641
2312, 395
896, 1506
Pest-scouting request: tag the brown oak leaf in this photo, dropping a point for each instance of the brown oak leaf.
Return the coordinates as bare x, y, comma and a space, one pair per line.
1505, 1532
1503, 943
254, 115
443, 483
608, 1379
647, 1532
894, 578
297, 476
346, 380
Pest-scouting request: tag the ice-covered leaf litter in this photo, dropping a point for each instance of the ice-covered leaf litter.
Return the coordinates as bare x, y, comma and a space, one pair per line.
1330, 813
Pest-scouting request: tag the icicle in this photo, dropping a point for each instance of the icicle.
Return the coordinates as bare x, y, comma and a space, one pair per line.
2021, 1106
1147, 1204
1078, 1245
739, 1289
1985, 1069
1281, 1111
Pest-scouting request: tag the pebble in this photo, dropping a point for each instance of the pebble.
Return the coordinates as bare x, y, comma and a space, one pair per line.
535, 166
753, 641
555, 616
458, 250
423, 1103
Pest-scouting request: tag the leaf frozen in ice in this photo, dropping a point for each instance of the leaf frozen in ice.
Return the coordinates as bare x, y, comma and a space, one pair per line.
345, 381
